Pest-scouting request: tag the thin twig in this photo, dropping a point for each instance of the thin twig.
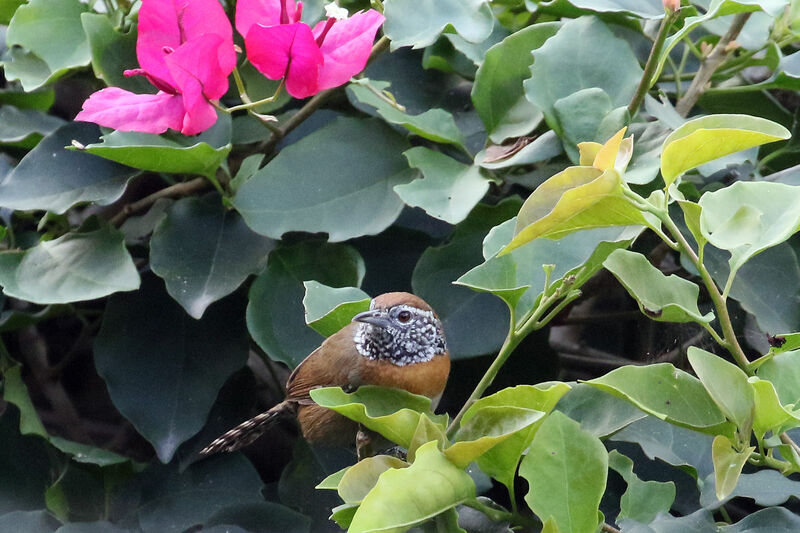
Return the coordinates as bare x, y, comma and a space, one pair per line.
173, 191
652, 61
710, 64
607, 528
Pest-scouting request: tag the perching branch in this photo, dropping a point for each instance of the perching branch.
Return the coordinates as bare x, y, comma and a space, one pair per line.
173, 191
709, 65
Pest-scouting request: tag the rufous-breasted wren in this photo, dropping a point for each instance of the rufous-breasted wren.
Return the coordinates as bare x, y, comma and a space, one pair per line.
398, 343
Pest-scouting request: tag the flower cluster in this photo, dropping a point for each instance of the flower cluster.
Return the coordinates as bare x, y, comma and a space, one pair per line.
185, 49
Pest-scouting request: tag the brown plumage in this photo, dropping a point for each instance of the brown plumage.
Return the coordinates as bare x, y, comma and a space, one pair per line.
399, 343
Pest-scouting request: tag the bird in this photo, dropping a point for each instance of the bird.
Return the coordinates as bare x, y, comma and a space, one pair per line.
399, 343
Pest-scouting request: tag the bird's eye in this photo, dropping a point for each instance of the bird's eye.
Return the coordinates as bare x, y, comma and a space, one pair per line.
404, 316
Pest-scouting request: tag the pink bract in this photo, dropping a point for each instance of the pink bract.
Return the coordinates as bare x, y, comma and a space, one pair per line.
185, 49
309, 60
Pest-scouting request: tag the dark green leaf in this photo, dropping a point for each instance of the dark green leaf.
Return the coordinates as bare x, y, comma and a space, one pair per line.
640, 8
74, 267
498, 95
587, 116
672, 444
25, 127
113, 51
418, 23
163, 369
345, 189
406, 496
587, 46
783, 371
435, 124
257, 517
15, 391
275, 314
174, 501
474, 323
329, 309
85, 453
765, 487
701, 521
36, 61
449, 190
566, 470
92, 527
28, 522
25, 470
771, 520
53, 178
204, 252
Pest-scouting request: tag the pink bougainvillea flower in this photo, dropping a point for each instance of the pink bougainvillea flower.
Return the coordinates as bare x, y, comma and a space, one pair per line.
310, 60
185, 49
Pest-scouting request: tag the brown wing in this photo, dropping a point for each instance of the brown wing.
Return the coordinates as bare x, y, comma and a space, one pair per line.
333, 364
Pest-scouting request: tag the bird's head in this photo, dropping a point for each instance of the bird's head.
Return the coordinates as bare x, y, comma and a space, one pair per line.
399, 328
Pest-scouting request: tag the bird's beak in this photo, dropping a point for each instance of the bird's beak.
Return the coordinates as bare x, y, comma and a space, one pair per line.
374, 316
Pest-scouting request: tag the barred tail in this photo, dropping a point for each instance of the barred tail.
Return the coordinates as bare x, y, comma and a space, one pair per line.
247, 432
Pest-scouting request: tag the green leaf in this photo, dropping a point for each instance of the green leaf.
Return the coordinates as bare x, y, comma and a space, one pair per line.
643, 500
681, 447
394, 413
587, 46
766, 487
15, 391
256, 516
329, 309
275, 313
407, 496
449, 189
667, 393
35, 61
71, 268
488, 426
85, 453
501, 461
599, 413
25, 468
587, 116
566, 469
419, 23
707, 138
174, 500
747, 218
345, 189
512, 275
576, 199
474, 323
204, 252
783, 371
661, 298
770, 414
28, 522
113, 51
164, 369
25, 127
362, 476
727, 384
498, 95
770, 520
7, 9
427, 431
649, 9
435, 124
728, 464
53, 178
170, 154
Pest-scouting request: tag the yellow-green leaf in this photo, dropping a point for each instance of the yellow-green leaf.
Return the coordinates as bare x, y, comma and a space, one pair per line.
362, 476
707, 138
728, 464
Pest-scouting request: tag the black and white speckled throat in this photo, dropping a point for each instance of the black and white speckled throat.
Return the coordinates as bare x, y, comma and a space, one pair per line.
416, 342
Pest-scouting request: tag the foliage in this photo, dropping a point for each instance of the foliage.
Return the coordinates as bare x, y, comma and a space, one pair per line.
599, 198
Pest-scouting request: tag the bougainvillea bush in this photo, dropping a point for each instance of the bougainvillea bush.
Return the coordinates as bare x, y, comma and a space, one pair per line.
598, 197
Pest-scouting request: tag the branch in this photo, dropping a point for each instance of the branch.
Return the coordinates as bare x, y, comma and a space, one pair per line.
173, 191
710, 65
652, 61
